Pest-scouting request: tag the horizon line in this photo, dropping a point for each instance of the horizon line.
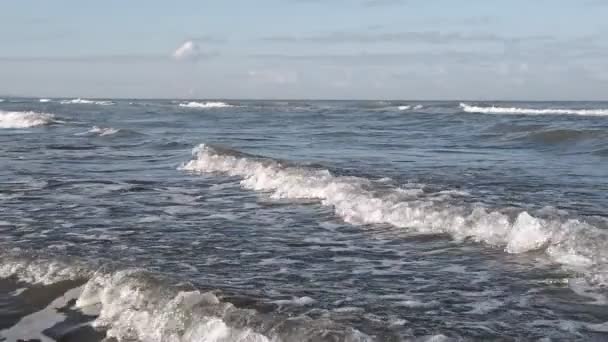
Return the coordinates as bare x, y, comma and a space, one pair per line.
288, 99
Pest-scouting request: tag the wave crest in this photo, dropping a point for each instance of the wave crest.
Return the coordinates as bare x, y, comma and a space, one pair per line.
136, 305
101, 131
194, 104
24, 119
530, 111
570, 242
85, 101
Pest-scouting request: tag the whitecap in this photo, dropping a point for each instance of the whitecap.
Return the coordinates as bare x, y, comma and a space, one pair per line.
44, 100
85, 101
101, 131
531, 111
297, 301
354, 199
194, 104
24, 119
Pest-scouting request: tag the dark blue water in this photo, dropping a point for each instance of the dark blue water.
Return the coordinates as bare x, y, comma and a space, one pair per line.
161, 220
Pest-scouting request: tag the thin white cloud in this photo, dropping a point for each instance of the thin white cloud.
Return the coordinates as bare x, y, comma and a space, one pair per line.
188, 50
191, 50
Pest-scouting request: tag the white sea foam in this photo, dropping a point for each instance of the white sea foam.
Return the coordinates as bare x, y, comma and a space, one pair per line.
530, 111
404, 107
44, 100
24, 119
570, 242
134, 305
302, 301
194, 104
41, 271
85, 101
132, 308
101, 131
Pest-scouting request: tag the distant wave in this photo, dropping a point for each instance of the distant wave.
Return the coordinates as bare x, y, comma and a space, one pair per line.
84, 101
570, 242
135, 305
408, 107
514, 110
24, 119
44, 100
194, 104
556, 136
101, 131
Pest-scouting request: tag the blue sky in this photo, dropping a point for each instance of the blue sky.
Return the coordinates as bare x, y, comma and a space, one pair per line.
339, 49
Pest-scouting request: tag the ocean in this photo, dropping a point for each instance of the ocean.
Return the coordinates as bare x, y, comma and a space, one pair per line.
233, 220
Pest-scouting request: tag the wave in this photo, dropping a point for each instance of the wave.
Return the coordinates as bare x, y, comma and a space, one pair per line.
408, 107
530, 111
136, 305
194, 104
557, 136
574, 243
101, 131
44, 100
85, 101
24, 119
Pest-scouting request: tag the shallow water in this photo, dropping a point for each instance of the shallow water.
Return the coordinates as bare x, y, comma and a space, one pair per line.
162, 220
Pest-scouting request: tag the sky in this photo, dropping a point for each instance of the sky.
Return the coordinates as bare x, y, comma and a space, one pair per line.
306, 49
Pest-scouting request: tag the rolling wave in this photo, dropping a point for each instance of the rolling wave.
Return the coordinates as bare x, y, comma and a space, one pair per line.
136, 305
531, 111
574, 243
205, 105
558, 136
85, 101
24, 119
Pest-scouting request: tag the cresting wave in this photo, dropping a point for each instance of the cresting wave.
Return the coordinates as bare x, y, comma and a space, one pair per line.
103, 131
408, 107
24, 119
84, 101
135, 305
574, 243
530, 111
194, 104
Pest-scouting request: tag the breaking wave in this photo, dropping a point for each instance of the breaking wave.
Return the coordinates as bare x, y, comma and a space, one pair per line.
136, 305
84, 101
101, 131
24, 119
408, 107
574, 243
44, 100
194, 104
530, 111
